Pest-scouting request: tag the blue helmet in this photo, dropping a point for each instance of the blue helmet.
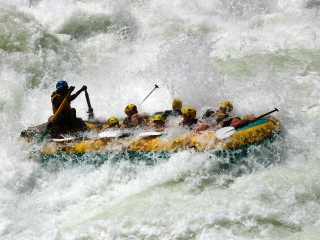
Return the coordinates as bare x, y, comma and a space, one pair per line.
61, 84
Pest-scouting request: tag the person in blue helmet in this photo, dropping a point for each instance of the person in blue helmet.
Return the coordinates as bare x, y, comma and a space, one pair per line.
67, 120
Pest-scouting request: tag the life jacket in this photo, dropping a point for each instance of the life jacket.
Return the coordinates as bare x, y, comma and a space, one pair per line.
55, 107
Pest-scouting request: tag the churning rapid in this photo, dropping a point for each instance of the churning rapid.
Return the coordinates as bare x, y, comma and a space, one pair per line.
257, 54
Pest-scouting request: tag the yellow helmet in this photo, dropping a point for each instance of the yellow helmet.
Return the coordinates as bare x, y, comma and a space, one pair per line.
176, 104
190, 112
158, 117
226, 105
129, 108
112, 120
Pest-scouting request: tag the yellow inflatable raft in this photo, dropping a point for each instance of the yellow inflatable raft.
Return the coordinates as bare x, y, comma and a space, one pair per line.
163, 141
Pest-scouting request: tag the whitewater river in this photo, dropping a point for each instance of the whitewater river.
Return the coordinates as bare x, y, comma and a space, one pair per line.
258, 54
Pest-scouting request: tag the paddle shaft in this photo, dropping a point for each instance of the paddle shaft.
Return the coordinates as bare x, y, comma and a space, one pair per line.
156, 86
90, 111
275, 110
56, 115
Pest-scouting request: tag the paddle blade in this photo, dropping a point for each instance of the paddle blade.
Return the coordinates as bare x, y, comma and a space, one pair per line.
149, 134
109, 134
225, 132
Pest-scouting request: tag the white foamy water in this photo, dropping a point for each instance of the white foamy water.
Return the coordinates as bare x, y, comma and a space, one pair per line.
257, 54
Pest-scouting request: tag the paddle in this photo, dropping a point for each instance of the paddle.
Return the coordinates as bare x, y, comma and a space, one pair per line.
110, 134
55, 116
118, 133
150, 93
149, 134
228, 131
90, 110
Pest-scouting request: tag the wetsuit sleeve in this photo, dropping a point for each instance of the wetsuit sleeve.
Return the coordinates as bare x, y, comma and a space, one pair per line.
73, 96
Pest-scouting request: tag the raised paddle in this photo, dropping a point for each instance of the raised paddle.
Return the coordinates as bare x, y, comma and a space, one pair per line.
56, 115
90, 109
156, 86
229, 131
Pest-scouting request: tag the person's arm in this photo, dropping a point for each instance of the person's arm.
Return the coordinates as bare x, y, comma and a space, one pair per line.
237, 122
202, 126
74, 96
135, 118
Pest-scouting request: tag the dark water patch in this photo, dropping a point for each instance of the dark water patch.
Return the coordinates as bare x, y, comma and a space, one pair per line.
313, 4
82, 25
15, 30
58, 161
29, 49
